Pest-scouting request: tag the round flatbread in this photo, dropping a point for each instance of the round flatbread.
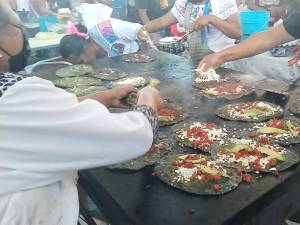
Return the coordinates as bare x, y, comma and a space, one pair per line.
254, 156
75, 71
196, 174
109, 74
250, 111
226, 90
130, 81
85, 90
199, 135
69, 82
295, 107
210, 78
171, 114
158, 149
139, 58
280, 131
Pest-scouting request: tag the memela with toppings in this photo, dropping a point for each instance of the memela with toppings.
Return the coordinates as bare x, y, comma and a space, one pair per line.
157, 150
283, 132
254, 156
227, 90
171, 114
200, 135
138, 58
131, 81
109, 74
250, 111
197, 174
75, 70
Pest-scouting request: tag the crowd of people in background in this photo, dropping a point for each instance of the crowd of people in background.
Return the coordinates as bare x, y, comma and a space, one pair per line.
139, 11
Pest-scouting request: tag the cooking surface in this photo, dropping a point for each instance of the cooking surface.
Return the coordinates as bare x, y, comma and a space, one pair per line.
148, 201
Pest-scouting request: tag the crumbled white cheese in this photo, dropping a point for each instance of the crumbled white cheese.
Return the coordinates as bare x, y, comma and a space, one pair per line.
185, 174
206, 76
134, 81
213, 134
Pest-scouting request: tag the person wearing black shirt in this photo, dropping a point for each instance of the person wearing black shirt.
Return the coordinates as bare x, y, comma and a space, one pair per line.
260, 42
148, 9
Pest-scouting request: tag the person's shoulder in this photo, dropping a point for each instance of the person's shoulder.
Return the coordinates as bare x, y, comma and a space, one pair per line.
36, 87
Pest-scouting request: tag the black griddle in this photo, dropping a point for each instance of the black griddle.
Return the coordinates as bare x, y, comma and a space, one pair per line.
139, 198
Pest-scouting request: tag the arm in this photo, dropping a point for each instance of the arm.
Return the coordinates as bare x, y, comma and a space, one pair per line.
231, 27
61, 134
7, 15
256, 44
110, 98
160, 23
143, 16
42, 9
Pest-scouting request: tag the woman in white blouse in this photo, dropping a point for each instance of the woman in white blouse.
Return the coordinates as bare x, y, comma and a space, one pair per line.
217, 21
47, 135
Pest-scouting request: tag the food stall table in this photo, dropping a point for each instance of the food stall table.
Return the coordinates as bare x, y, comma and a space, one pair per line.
36, 44
140, 198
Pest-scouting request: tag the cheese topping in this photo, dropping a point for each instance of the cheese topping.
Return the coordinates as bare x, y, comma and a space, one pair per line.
248, 161
238, 111
208, 75
185, 174
213, 134
135, 81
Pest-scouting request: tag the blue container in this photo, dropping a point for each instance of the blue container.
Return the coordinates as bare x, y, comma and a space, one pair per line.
254, 21
44, 21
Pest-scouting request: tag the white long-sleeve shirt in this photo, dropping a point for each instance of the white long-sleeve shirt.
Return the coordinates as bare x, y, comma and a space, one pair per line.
46, 136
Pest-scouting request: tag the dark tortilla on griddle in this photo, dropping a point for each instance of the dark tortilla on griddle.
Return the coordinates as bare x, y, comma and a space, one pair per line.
75, 70
70, 82
165, 171
246, 90
142, 161
206, 84
180, 114
295, 107
109, 74
223, 112
85, 90
139, 58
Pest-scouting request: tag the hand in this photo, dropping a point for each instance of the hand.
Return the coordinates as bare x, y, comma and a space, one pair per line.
210, 61
155, 37
201, 22
150, 96
111, 98
143, 34
296, 56
118, 94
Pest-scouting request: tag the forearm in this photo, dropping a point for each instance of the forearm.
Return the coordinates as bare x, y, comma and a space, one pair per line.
257, 44
160, 23
8, 14
144, 16
230, 29
104, 97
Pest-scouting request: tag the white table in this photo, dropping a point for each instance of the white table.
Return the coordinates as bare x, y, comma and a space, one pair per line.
42, 44
266, 65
